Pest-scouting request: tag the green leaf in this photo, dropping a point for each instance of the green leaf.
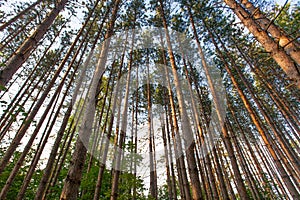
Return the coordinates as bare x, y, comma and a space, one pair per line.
2, 88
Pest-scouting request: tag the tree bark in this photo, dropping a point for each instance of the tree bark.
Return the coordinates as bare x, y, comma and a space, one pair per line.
29, 44
186, 128
291, 46
279, 55
73, 179
19, 15
261, 129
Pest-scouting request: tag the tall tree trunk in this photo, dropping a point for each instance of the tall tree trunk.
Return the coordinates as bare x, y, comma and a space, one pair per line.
21, 132
73, 179
48, 170
279, 55
170, 152
186, 128
290, 45
283, 106
10, 38
41, 148
179, 156
19, 15
282, 141
109, 134
261, 129
29, 81
37, 129
115, 181
136, 108
167, 162
28, 45
153, 186
201, 132
241, 187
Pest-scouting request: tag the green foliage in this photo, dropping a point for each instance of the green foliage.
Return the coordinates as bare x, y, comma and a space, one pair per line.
288, 19
127, 183
14, 189
163, 193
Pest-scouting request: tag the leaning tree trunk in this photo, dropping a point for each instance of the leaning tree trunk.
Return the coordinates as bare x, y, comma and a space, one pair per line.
21, 132
186, 128
116, 174
177, 141
291, 46
28, 82
42, 145
241, 187
29, 44
73, 179
19, 15
279, 55
261, 129
106, 138
284, 144
36, 131
48, 170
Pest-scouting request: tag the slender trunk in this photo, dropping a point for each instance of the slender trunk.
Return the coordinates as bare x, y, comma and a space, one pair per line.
115, 182
186, 128
73, 179
261, 129
10, 38
28, 45
287, 110
240, 186
19, 15
167, 162
29, 81
200, 132
107, 138
240, 157
182, 176
48, 170
37, 106
135, 132
153, 186
282, 141
249, 146
40, 149
99, 120
225, 174
12, 110
36, 131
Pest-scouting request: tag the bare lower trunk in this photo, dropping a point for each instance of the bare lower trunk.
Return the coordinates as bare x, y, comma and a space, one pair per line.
186, 128
73, 179
241, 187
